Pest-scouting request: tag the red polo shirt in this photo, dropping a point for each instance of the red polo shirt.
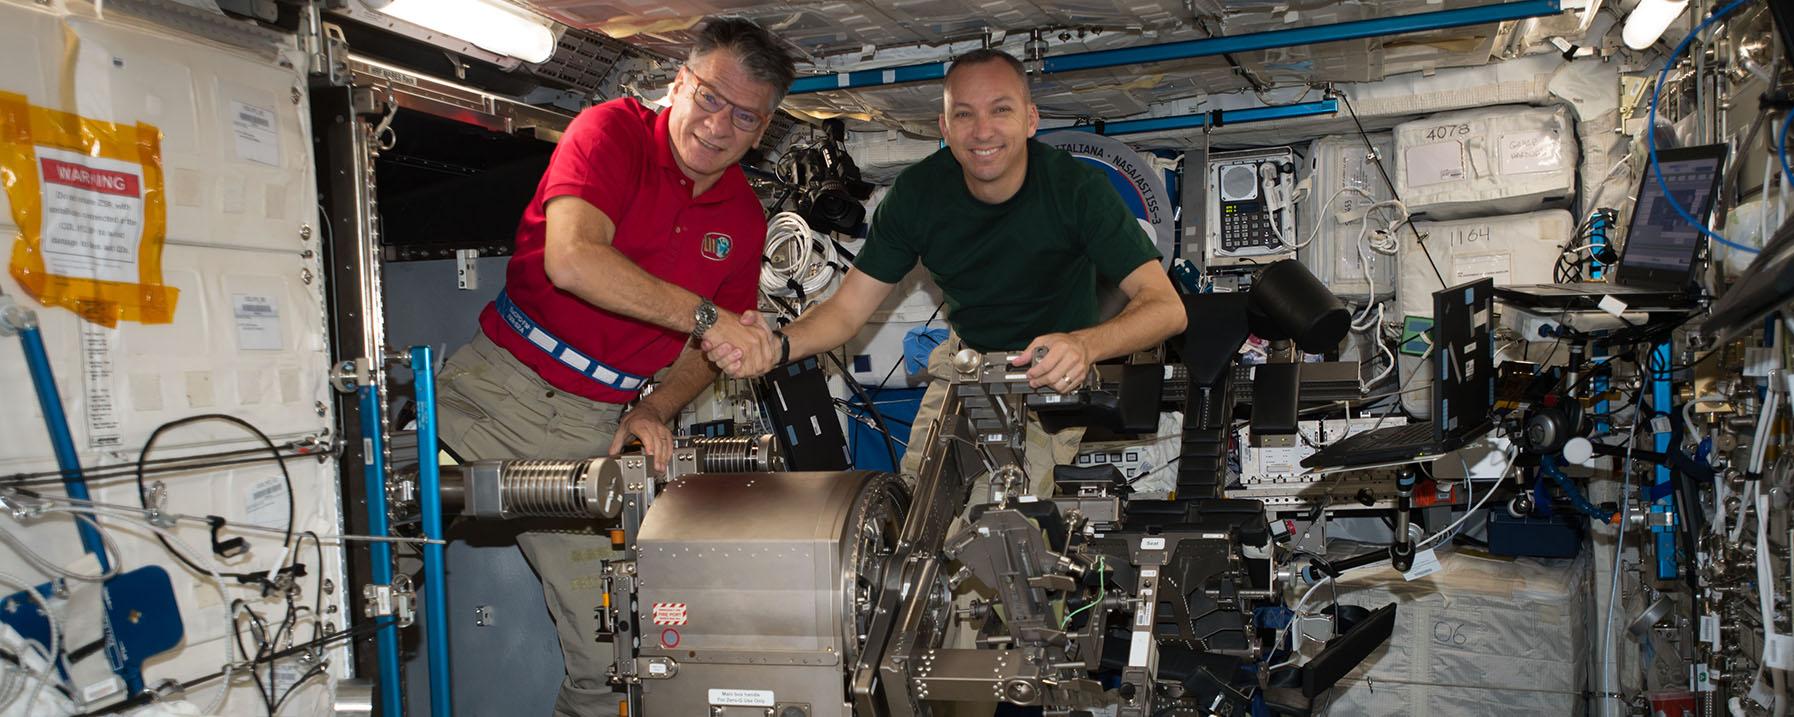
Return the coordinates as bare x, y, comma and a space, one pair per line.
618, 156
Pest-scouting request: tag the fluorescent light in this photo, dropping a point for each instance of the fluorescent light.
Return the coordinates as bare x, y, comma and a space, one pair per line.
490, 24
1648, 21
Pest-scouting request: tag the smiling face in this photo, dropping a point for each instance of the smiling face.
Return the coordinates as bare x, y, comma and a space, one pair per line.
705, 144
987, 120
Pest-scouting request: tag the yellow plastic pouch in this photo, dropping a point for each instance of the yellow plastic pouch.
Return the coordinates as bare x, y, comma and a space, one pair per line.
88, 199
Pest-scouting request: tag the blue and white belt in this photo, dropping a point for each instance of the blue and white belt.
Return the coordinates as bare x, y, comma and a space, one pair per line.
561, 350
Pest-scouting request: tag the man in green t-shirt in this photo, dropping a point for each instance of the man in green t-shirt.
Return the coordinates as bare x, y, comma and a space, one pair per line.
1013, 231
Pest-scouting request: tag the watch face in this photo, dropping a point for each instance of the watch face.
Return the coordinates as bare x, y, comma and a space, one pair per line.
704, 317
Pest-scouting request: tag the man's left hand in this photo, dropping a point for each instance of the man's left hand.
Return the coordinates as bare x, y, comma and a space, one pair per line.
645, 423
1065, 366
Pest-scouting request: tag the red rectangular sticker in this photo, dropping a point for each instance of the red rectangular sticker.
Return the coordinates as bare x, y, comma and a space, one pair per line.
95, 180
669, 613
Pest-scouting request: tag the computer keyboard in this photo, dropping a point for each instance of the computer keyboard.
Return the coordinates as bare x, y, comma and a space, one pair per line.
1413, 434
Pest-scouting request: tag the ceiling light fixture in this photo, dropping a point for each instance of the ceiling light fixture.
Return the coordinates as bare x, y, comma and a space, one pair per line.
492, 25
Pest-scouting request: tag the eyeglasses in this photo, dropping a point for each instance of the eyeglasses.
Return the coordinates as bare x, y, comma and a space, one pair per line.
712, 101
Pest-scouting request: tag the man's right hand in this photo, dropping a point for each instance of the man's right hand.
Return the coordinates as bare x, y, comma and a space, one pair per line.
741, 346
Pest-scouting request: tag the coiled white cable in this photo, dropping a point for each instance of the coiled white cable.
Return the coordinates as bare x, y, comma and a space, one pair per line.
1368, 318
795, 254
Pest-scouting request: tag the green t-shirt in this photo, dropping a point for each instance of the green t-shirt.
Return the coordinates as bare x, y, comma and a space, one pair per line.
1015, 270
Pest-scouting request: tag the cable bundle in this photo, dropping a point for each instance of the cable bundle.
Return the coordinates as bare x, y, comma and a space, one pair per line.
1373, 238
1588, 249
799, 262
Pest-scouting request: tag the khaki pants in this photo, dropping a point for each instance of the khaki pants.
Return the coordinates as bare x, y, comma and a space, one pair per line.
491, 407
1041, 451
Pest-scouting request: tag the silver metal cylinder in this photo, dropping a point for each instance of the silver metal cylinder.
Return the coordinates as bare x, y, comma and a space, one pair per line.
354, 698
737, 454
587, 487
584, 488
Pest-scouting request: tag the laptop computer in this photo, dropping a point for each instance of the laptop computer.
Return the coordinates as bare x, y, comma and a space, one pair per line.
1657, 263
1463, 387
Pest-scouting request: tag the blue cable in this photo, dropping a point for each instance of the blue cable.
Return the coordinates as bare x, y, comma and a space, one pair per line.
1781, 150
1651, 132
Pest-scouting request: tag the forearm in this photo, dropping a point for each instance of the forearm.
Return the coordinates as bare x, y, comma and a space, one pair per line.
603, 277
822, 328
690, 374
1146, 321
830, 324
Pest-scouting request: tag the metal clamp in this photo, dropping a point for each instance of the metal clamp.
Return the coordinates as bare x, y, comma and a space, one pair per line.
397, 600
15, 318
349, 375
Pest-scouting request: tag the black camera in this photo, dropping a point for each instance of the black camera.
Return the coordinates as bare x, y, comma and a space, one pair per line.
826, 183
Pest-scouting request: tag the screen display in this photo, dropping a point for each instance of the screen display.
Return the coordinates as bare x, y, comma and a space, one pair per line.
1659, 238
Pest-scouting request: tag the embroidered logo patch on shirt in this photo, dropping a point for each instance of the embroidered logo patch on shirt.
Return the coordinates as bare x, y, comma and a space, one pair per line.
717, 246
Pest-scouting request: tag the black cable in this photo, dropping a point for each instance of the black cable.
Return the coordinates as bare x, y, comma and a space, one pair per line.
148, 696
317, 611
893, 371
237, 608
316, 670
1651, 364
849, 404
143, 495
286, 624
858, 390
155, 466
1378, 158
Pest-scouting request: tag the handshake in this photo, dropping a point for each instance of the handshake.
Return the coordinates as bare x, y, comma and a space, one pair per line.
745, 347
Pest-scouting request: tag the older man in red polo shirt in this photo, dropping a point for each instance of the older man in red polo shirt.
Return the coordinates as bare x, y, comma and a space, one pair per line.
643, 236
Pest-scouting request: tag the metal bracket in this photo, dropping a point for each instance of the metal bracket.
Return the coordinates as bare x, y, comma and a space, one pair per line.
349, 375
158, 501
335, 56
396, 600
466, 278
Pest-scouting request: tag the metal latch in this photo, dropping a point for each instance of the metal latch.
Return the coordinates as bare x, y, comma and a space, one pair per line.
656, 668
396, 600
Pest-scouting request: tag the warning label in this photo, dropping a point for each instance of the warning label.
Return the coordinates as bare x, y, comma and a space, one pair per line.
669, 613
92, 215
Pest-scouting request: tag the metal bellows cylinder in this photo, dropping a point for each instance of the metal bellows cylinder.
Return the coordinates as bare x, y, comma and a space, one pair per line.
737, 454
583, 488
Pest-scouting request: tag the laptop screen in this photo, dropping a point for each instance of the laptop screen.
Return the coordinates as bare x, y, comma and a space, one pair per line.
1660, 244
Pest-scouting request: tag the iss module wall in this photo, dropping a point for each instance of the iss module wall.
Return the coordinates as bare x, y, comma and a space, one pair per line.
168, 365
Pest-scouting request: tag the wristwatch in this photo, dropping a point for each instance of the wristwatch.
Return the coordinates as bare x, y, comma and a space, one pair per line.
784, 348
703, 317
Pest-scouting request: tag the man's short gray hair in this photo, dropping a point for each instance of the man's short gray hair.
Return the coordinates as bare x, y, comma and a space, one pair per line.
758, 51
